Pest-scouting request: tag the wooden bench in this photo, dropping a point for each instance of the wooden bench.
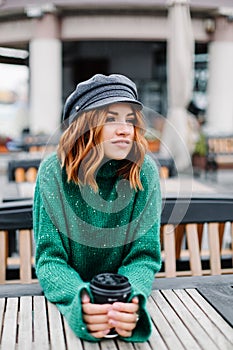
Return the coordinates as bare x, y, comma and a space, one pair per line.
219, 152
185, 221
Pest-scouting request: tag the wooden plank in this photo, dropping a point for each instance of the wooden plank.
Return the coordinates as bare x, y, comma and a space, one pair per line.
3, 255
25, 323
41, 333
156, 341
194, 249
90, 346
169, 250
214, 247
218, 337
9, 332
25, 251
72, 341
175, 322
191, 323
161, 324
124, 346
213, 315
108, 344
57, 338
142, 346
2, 308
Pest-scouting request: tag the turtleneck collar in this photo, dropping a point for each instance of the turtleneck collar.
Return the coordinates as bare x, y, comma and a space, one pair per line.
109, 168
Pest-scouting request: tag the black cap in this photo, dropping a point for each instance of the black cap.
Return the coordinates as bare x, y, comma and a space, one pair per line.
99, 91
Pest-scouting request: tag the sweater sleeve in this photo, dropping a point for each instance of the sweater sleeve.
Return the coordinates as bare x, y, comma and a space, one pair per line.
143, 260
61, 284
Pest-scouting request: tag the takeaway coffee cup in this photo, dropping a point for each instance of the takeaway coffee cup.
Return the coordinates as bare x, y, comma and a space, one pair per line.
107, 288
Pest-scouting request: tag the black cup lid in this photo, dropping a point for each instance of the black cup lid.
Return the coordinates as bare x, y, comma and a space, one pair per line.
110, 280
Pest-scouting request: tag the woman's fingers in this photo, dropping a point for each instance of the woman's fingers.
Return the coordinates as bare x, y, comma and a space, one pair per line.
123, 333
96, 327
85, 298
126, 307
123, 317
135, 300
122, 321
96, 318
96, 309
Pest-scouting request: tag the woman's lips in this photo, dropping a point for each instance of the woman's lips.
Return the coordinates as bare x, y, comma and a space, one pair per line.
122, 144
121, 141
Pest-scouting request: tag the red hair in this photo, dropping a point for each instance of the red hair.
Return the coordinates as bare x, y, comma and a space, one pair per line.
81, 153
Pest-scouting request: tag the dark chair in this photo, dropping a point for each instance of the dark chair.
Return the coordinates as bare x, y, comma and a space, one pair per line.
166, 166
16, 216
23, 169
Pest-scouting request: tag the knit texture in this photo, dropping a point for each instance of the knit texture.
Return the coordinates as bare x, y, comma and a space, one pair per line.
80, 233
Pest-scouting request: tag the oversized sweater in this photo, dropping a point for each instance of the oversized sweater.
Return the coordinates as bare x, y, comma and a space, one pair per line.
80, 233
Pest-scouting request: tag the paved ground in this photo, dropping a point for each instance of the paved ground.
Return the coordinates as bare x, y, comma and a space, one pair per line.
222, 182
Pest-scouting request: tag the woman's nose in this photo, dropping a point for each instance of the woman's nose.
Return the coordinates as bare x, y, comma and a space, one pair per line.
123, 128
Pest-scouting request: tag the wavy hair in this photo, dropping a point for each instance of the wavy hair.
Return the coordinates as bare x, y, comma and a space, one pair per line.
81, 152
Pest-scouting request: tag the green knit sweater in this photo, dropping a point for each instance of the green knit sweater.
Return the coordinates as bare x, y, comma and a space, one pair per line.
80, 233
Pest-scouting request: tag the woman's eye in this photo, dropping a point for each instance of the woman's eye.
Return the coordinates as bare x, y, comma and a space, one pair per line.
110, 119
131, 121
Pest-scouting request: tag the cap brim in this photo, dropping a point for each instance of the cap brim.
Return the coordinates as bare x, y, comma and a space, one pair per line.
103, 103
110, 100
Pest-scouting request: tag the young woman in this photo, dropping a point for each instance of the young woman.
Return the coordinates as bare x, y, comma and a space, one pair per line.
97, 209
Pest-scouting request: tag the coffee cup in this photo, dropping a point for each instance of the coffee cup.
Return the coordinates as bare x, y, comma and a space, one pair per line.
107, 288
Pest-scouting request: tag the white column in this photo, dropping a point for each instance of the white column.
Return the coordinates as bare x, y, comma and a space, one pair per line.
45, 78
220, 85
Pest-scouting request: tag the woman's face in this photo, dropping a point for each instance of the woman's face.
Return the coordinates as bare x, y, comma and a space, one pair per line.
117, 133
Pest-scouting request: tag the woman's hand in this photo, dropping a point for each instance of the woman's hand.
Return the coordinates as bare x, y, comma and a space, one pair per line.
100, 318
124, 316
96, 317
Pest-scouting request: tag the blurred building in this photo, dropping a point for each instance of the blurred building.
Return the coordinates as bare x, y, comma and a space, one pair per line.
69, 41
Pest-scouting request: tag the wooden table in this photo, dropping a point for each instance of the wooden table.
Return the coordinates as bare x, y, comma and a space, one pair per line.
182, 319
